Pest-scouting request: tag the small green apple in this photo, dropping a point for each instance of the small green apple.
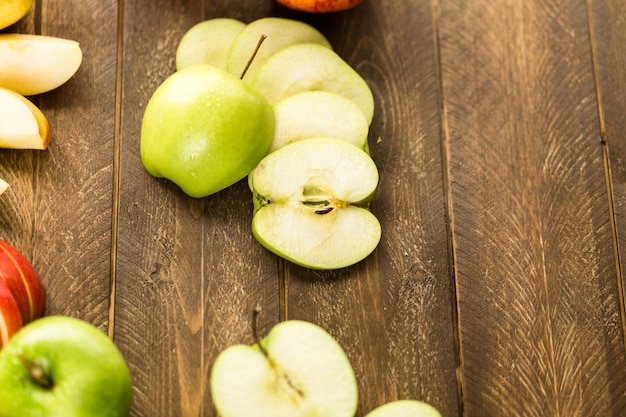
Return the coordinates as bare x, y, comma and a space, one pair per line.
312, 200
308, 66
59, 367
405, 408
297, 370
205, 129
208, 42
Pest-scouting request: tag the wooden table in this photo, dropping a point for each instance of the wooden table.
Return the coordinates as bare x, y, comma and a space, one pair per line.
499, 133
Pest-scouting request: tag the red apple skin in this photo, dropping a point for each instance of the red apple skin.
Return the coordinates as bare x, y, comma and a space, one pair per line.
10, 317
22, 279
320, 6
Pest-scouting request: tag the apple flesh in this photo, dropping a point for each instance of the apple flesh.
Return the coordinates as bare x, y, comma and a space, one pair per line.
405, 408
299, 371
35, 64
311, 202
3, 186
306, 67
61, 366
280, 33
208, 42
205, 129
320, 6
10, 318
22, 124
13, 10
17, 273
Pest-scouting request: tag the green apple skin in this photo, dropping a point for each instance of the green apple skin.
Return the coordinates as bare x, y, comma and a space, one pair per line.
205, 129
87, 375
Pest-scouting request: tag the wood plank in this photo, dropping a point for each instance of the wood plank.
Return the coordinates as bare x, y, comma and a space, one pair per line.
189, 272
392, 313
608, 24
540, 328
58, 209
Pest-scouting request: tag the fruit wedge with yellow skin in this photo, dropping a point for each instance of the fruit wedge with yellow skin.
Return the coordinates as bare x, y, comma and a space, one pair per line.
13, 10
35, 64
22, 124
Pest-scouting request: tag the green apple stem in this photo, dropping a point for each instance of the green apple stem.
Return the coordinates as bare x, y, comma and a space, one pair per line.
39, 373
256, 51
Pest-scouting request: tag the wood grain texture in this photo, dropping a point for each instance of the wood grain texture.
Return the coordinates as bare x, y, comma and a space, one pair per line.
540, 324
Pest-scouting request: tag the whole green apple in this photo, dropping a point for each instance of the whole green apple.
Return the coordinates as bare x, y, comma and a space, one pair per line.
63, 367
205, 129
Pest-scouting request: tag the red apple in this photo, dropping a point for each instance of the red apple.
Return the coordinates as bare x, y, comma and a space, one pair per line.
319, 6
22, 279
10, 318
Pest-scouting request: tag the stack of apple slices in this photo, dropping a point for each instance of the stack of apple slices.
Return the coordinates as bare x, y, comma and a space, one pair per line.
312, 191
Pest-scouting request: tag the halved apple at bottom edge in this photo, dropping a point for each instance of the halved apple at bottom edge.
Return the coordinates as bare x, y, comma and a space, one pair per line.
405, 408
311, 202
22, 124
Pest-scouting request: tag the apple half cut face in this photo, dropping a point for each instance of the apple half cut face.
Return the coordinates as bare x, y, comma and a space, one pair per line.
405, 408
311, 67
280, 33
301, 371
315, 114
208, 42
311, 202
35, 64
22, 124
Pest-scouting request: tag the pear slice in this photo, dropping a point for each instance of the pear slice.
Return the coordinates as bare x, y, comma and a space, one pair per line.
318, 114
405, 408
35, 64
3, 185
300, 371
22, 124
208, 42
312, 203
280, 33
307, 67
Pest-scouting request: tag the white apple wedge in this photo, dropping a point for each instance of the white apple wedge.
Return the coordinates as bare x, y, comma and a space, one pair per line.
314, 114
208, 42
22, 124
312, 203
35, 64
306, 67
405, 408
300, 371
3, 186
280, 33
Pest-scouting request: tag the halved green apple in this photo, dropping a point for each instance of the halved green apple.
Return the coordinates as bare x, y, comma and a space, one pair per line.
22, 124
280, 33
318, 114
208, 42
405, 408
35, 64
312, 203
308, 67
297, 370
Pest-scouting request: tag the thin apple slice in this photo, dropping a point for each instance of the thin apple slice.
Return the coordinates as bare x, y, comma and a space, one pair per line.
3, 186
314, 114
405, 408
311, 203
22, 124
10, 318
280, 33
300, 371
208, 42
35, 64
308, 67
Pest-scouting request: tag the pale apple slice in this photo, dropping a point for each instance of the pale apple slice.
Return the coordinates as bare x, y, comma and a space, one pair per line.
405, 408
312, 203
13, 10
280, 33
22, 124
300, 371
208, 42
35, 64
3, 186
314, 114
309, 67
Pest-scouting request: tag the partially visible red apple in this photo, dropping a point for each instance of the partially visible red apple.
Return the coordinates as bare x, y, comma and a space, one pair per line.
23, 282
10, 318
320, 6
